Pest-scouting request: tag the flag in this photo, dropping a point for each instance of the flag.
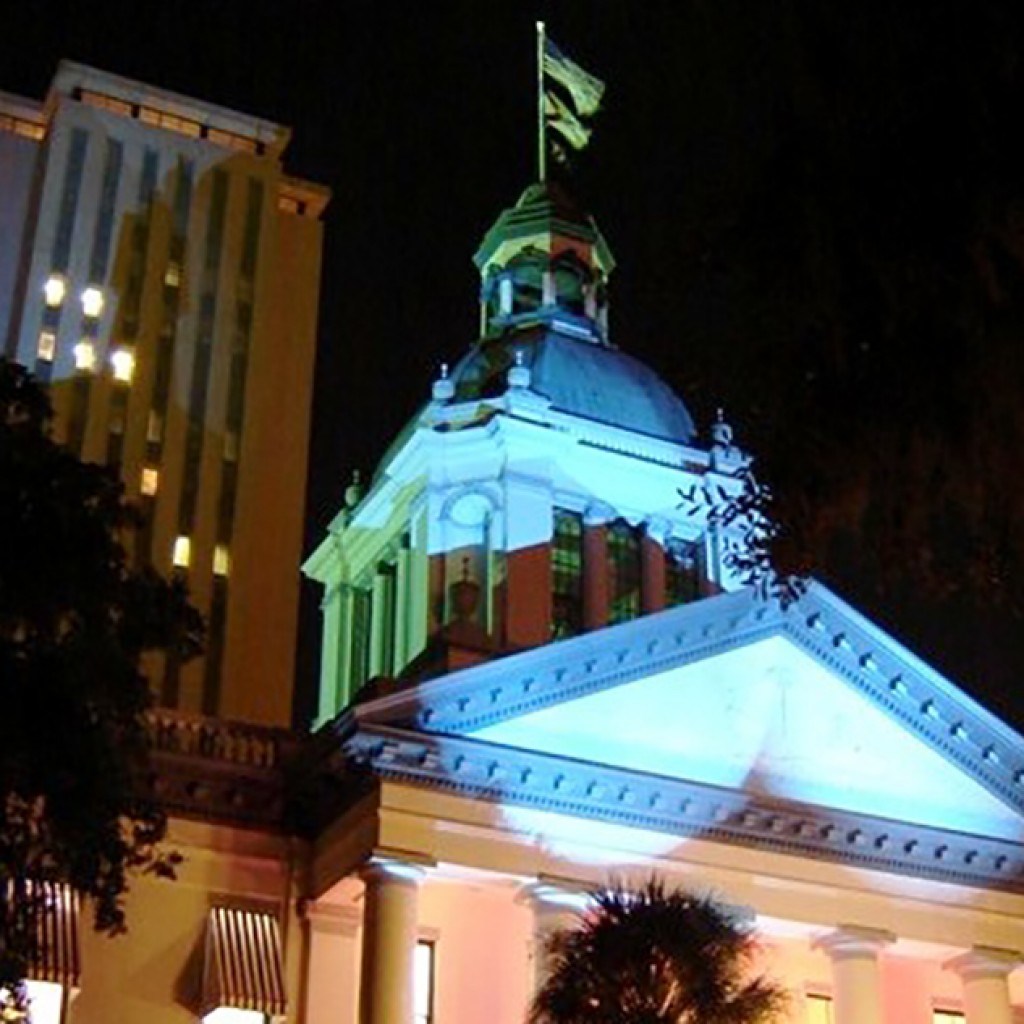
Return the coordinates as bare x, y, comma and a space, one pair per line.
568, 117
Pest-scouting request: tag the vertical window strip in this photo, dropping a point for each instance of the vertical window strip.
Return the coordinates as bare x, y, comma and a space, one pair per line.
253, 220
203, 359
242, 338
166, 341
70, 190
76, 419
105, 216
214, 660
141, 223
624, 572
567, 574
215, 227
116, 424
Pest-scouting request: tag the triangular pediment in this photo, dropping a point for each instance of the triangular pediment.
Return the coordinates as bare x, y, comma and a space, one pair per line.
808, 705
770, 720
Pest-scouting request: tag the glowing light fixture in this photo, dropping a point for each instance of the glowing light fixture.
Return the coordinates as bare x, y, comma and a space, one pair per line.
221, 560
150, 480
182, 553
172, 275
85, 355
54, 290
47, 346
122, 361
45, 998
92, 301
233, 1015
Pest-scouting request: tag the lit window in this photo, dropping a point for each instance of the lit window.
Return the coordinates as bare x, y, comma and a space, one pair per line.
623, 571
154, 427
233, 1015
182, 552
172, 275
948, 1017
567, 574
47, 347
221, 560
122, 361
819, 1009
92, 302
54, 290
85, 355
150, 480
423, 983
45, 998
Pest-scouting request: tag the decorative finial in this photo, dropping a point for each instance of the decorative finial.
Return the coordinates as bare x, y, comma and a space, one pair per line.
519, 375
443, 390
354, 491
721, 432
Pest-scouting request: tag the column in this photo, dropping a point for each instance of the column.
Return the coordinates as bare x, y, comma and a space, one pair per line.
389, 942
595, 566
856, 978
984, 973
554, 908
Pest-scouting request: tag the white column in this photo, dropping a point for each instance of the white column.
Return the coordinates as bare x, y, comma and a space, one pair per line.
389, 942
554, 909
856, 977
984, 973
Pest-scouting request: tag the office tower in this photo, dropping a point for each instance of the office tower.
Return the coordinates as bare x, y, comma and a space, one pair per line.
160, 271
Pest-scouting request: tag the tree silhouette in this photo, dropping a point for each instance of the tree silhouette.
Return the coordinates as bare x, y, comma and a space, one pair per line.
75, 619
655, 956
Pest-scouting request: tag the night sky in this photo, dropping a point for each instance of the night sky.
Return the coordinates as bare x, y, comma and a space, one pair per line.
421, 121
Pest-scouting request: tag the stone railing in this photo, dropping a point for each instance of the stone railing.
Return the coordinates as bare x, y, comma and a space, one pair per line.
237, 743
220, 771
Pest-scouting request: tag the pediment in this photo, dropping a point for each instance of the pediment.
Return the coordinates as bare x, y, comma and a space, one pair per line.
769, 720
808, 704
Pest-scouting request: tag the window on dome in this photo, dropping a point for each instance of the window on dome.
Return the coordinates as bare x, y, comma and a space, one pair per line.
567, 574
623, 571
682, 572
948, 1017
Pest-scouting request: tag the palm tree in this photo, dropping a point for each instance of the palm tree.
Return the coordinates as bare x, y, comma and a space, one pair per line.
655, 956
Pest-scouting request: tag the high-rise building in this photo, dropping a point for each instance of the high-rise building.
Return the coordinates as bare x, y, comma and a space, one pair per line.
160, 271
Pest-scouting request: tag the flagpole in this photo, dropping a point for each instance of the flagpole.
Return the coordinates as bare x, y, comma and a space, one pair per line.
542, 147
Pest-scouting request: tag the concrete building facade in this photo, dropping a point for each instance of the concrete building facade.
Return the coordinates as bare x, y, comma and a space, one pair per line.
160, 271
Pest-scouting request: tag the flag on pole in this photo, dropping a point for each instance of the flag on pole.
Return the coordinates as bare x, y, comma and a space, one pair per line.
568, 109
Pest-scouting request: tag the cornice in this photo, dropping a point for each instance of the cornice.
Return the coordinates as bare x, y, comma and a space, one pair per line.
689, 810
872, 663
910, 691
495, 691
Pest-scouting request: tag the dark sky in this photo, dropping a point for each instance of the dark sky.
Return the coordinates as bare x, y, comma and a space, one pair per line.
421, 121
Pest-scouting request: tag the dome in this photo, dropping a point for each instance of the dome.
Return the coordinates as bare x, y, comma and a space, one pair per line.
595, 382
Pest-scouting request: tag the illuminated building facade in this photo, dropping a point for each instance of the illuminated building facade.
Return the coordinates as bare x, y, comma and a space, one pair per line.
161, 273
539, 671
